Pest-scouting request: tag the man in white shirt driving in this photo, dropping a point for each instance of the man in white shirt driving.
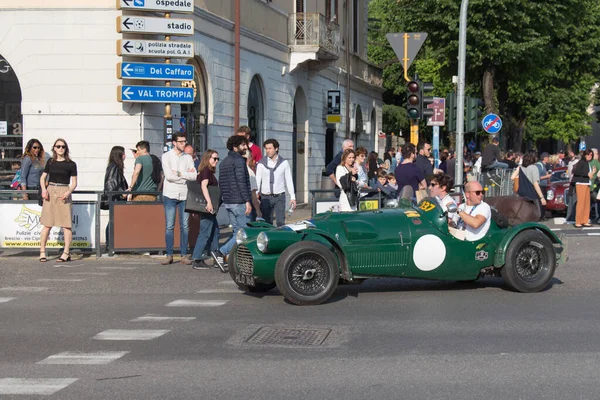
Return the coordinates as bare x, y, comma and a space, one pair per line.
476, 214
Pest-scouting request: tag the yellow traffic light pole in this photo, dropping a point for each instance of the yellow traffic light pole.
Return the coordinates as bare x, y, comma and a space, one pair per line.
414, 124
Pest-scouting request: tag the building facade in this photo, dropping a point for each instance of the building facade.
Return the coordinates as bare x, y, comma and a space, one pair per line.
58, 79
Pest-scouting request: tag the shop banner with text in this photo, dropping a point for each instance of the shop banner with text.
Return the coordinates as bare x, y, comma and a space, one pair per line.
21, 227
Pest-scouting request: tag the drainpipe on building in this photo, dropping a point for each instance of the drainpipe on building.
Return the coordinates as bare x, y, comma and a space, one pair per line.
236, 95
347, 18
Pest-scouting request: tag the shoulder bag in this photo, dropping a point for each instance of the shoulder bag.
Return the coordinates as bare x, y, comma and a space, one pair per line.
195, 202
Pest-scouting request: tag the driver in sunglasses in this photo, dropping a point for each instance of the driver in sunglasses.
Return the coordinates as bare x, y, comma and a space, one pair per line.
476, 214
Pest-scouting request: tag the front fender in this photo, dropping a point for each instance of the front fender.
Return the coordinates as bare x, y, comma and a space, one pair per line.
560, 249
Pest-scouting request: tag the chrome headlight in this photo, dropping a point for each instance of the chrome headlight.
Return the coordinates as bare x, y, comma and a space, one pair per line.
262, 242
241, 236
550, 195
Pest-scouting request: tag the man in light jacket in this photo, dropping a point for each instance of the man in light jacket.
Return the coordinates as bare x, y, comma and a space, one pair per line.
178, 168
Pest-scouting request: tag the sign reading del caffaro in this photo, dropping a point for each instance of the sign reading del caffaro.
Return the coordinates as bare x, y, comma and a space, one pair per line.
21, 227
165, 26
178, 6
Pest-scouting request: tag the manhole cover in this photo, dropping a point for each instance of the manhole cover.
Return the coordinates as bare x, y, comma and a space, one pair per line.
289, 337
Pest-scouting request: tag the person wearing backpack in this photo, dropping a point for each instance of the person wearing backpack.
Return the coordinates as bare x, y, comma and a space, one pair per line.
145, 177
274, 178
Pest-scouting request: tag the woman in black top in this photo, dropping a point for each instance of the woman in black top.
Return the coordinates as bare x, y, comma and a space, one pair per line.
57, 208
583, 174
208, 236
373, 167
114, 179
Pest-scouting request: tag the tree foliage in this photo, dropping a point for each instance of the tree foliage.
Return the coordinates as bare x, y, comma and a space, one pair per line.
540, 57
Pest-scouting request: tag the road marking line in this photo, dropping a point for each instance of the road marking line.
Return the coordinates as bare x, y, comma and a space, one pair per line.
33, 386
60, 280
71, 357
591, 228
91, 273
24, 288
219, 291
559, 220
6, 299
227, 283
117, 268
555, 229
130, 334
196, 303
594, 234
156, 317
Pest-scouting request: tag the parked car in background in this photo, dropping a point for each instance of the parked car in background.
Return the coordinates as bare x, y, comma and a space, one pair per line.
555, 197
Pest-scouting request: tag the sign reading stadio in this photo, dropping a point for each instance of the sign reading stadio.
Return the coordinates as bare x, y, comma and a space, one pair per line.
178, 6
21, 227
164, 26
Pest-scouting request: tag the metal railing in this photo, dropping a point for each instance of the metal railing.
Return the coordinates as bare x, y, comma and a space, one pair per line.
495, 182
313, 29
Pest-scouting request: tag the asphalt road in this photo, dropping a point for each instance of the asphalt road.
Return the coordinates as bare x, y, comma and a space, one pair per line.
76, 333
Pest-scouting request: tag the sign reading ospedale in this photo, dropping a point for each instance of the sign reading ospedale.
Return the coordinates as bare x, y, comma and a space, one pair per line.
178, 6
21, 227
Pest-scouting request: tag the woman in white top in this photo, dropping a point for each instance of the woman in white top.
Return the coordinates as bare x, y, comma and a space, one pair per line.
346, 167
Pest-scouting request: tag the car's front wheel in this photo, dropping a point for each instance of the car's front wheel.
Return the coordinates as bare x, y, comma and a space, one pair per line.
307, 273
530, 262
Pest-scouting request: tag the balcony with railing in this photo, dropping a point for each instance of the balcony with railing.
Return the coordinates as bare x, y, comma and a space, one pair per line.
312, 37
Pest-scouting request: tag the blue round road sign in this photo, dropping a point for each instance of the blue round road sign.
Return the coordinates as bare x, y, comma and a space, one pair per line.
491, 123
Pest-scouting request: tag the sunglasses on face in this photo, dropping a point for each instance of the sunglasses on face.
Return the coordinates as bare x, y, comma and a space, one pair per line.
215, 158
477, 192
433, 184
60, 146
35, 147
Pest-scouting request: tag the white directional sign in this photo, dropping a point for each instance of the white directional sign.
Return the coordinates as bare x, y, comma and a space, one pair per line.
155, 48
178, 6
165, 26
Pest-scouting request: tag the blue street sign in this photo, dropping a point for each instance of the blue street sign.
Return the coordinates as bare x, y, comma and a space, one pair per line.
491, 123
182, 125
155, 94
163, 72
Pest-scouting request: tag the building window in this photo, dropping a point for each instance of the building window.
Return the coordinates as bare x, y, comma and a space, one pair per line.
11, 124
300, 6
256, 110
195, 116
355, 26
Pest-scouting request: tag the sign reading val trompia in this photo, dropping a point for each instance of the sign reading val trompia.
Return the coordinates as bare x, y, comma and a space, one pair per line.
21, 227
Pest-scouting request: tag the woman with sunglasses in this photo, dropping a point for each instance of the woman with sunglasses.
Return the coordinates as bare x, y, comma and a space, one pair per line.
57, 208
208, 236
32, 166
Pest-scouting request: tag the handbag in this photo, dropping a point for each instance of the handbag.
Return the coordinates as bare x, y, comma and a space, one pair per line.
195, 202
40, 199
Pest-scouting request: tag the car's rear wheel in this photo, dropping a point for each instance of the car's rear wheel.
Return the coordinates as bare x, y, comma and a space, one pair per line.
307, 273
530, 262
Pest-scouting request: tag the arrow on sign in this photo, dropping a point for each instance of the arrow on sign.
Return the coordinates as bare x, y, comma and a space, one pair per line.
139, 3
127, 2
126, 69
127, 93
127, 46
126, 23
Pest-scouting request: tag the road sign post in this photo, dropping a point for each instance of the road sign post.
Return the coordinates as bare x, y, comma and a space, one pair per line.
406, 45
436, 146
439, 112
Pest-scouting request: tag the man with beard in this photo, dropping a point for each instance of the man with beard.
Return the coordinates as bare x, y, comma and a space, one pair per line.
234, 182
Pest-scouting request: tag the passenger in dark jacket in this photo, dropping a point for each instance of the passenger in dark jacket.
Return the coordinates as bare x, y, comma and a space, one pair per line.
234, 182
114, 179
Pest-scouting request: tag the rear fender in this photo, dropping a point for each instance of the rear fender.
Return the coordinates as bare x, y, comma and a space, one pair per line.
559, 246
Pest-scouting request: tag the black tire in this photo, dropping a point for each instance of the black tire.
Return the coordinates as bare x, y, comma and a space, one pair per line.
307, 273
530, 262
259, 287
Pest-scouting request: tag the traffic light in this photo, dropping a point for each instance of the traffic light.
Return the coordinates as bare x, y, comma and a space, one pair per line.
413, 100
473, 114
451, 116
416, 103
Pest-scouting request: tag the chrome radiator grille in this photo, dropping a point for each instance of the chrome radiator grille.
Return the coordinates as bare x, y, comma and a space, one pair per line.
244, 261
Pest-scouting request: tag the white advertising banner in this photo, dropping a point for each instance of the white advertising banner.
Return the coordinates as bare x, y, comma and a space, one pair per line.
21, 227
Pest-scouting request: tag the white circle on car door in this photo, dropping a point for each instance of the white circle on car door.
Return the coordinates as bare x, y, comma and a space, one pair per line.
429, 252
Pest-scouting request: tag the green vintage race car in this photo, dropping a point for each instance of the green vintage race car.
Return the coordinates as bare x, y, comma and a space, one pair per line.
307, 260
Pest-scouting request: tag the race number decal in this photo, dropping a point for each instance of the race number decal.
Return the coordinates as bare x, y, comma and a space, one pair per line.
427, 206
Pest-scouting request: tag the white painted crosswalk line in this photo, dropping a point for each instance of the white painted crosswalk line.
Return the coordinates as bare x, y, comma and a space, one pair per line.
117, 268
227, 283
156, 317
91, 273
24, 289
196, 303
71, 357
232, 290
60, 280
34, 386
131, 334
6, 299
